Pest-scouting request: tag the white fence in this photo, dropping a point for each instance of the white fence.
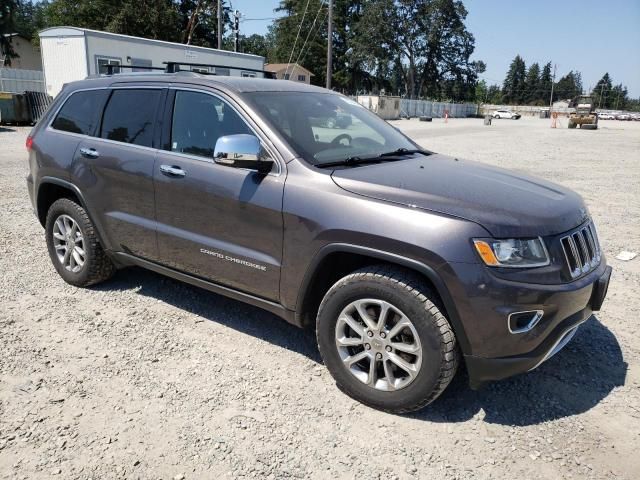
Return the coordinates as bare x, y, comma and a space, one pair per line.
426, 108
14, 80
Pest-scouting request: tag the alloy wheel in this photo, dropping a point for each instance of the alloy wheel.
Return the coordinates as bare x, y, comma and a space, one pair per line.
378, 344
68, 243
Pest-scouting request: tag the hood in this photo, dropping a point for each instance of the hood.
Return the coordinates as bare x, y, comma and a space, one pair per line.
505, 203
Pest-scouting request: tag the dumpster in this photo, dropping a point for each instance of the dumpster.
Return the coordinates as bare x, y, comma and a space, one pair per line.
14, 108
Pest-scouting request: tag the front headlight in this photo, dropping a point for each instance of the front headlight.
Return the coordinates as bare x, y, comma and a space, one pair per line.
512, 252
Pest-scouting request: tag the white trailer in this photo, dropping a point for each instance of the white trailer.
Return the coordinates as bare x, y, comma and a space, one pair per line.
70, 53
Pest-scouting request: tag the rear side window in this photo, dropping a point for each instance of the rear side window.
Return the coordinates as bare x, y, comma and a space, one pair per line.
80, 113
130, 116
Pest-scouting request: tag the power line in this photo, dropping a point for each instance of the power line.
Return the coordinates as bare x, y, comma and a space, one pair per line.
297, 36
311, 29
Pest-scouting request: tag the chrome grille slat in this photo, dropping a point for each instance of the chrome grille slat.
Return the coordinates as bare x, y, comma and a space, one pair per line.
581, 250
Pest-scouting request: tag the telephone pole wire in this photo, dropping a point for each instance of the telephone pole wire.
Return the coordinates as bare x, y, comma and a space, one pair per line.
330, 45
219, 25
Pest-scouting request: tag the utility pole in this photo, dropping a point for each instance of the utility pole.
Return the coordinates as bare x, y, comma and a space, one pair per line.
553, 81
219, 25
601, 90
330, 45
236, 28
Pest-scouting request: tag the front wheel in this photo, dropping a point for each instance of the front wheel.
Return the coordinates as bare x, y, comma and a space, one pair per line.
385, 341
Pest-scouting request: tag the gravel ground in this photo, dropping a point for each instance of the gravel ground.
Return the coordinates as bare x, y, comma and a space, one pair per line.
144, 377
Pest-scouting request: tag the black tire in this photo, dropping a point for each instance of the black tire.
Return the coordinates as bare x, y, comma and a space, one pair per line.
409, 293
572, 124
97, 266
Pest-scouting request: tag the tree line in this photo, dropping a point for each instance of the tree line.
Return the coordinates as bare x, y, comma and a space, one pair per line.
412, 48
533, 86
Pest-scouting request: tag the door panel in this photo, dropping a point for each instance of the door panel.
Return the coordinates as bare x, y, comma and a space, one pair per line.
116, 171
216, 222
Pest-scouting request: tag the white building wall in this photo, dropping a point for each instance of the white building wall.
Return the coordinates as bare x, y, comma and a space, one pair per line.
70, 54
126, 49
63, 61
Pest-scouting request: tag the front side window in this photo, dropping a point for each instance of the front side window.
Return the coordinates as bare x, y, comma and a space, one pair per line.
130, 116
199, 119
80, 114
326, 127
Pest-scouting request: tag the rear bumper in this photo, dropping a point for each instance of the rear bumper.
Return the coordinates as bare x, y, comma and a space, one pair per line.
495, 352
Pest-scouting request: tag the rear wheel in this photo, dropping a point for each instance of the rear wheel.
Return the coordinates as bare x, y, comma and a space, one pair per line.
385, 341
73, 245
572, 124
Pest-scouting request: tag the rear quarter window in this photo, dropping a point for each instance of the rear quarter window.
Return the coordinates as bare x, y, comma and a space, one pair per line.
80, 112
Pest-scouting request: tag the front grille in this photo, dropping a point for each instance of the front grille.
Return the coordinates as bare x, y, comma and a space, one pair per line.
581, 250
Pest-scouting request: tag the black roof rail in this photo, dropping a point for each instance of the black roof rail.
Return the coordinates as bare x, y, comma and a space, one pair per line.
174, 67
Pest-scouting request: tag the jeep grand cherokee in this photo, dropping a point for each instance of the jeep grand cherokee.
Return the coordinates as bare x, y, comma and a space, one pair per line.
405, 261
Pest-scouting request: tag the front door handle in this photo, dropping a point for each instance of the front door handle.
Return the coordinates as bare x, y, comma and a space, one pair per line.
89, 152
172, 171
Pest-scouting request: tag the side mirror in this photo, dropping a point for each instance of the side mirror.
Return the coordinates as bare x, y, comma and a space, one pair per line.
241, 151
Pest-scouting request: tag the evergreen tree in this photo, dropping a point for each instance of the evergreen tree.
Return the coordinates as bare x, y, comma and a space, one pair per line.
602, 92
569, 86
532, 84
544, 86
514, 87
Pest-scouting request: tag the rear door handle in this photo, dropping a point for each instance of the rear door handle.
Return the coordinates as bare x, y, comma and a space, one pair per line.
89, 152
172, 171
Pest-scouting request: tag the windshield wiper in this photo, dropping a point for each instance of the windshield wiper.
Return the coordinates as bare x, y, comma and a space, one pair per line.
403, 151
386, 156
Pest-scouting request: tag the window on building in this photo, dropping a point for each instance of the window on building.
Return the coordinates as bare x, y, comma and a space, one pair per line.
80, 112
225, 72
248, 74
130, 116
287, 76
102, 64
199, 120
140, 65
302, 78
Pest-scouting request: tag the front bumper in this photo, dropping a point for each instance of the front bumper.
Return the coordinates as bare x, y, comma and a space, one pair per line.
484, 303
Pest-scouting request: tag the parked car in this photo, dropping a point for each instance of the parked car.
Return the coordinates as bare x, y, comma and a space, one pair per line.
404, 261
606, 116
623, 116
506, 114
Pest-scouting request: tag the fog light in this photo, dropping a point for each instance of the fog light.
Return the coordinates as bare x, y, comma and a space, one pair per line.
521, 322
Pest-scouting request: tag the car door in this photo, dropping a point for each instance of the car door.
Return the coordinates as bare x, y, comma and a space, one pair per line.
115, 169
216, 222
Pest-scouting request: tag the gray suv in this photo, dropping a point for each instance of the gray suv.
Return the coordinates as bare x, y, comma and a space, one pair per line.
300, 201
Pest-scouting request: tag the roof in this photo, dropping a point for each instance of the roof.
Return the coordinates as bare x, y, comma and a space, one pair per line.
66, 31
276, 67
235, 84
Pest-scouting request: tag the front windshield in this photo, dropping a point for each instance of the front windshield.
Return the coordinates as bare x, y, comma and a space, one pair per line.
326, 127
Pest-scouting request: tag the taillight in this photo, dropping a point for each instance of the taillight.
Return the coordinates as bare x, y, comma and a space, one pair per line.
29, 142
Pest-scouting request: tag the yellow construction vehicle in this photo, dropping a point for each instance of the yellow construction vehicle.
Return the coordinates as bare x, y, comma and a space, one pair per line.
585, 113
